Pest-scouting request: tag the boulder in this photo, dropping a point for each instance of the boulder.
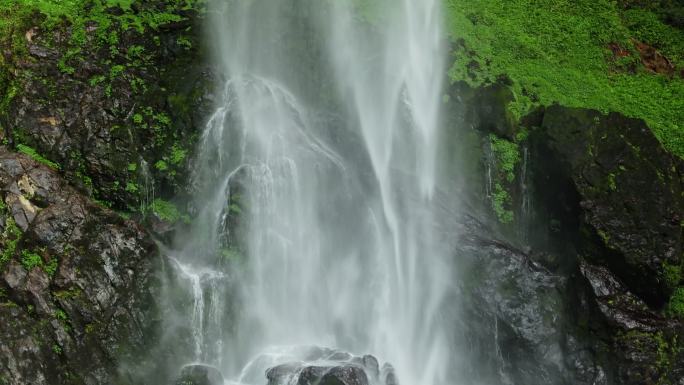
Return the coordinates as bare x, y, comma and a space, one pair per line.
199, 375
324, 366
306, 374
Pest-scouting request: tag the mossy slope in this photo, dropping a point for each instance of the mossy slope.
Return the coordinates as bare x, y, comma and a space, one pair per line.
578, 53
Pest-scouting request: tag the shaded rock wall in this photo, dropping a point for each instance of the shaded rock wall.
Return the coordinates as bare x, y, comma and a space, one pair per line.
604, 232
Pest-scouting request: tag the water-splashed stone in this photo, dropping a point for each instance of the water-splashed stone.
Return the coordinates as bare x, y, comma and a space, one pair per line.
199, 375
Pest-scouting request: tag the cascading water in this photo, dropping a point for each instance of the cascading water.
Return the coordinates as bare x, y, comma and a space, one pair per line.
315, 179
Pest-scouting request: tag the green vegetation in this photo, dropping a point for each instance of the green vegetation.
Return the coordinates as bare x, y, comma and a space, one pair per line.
51, 267
579, 53
9, 239
675, 307
501, 200
36, 156
673, 274
61, 315
230, 254
166, 211
30, 259
506, 158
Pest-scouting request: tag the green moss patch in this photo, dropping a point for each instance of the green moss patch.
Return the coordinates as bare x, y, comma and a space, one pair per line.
560, 51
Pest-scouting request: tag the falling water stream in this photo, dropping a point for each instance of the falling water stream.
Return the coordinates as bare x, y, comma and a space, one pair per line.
315, 180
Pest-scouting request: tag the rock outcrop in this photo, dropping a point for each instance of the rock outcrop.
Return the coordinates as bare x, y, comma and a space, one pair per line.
618, 198
114, 116
76, 281
630, 193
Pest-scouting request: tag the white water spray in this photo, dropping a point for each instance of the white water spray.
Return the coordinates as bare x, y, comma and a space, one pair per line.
315, 182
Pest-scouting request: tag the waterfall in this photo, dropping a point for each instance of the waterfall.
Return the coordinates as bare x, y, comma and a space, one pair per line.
315, 185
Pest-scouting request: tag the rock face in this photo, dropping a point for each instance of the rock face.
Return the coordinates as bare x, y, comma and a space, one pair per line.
618, 197
100, 114
630, 194
76, 282
645, 344
580, 290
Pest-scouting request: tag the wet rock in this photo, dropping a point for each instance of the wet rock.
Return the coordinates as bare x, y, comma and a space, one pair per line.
330, 367
515, 307
645, 344
388, 376
199, 375
305, 374
345, 375
77, 292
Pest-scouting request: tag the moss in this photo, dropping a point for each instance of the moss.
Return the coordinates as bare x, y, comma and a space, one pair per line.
665, 349
36, 156
161, 165
132, 187
166, 211
675, 307
10, 238
507, 156
559, 51
229, 254
30, 259
501, 200
178, 155
56, 349
50, 268
673, 274
68, 294
612, 184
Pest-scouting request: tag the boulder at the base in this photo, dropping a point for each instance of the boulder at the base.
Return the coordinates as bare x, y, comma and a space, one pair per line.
304, 374
321, 366
199, 375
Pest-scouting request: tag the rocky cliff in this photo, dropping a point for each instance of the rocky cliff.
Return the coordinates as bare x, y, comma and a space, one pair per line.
573, 240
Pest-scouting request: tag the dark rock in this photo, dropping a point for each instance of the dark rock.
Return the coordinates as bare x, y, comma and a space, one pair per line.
308, 374
199, 375
629, 190
92, 128
645, 345
79, 282
515, 307
617, 195
345, 375
329, 367
486, 107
